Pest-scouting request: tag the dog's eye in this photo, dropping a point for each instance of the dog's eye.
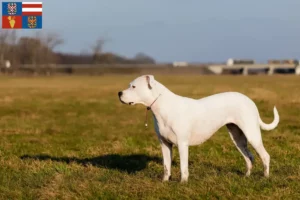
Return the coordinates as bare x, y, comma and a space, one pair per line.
133, 86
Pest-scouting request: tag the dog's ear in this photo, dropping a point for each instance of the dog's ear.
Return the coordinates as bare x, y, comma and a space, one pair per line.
150, 81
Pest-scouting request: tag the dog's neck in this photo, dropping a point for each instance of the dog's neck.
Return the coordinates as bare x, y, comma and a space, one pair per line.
160, 93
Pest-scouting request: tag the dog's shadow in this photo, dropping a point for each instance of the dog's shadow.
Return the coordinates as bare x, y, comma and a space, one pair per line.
126, 163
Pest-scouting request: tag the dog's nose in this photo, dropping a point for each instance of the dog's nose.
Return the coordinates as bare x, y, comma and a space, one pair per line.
120, 93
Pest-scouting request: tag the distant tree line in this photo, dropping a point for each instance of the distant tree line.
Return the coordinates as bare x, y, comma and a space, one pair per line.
40, 49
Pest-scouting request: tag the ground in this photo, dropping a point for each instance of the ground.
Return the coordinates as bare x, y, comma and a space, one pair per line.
71, 138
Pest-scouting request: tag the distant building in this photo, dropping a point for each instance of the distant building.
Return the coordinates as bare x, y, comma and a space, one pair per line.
232, 61
180, 64
274, 61
285, 61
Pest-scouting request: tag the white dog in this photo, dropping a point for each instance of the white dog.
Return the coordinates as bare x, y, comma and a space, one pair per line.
185, 122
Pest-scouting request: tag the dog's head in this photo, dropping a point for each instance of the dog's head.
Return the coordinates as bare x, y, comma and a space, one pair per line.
140, 91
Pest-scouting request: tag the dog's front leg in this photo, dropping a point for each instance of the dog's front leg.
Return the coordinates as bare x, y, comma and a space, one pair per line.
167, 158
183, 148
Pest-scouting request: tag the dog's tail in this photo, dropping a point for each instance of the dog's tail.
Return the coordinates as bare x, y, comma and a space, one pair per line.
268, 127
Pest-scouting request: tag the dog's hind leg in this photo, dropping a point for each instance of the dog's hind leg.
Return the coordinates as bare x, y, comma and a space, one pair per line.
253, 135
265, 157
240, 141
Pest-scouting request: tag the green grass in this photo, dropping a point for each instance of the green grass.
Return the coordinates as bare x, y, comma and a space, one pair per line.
71, 138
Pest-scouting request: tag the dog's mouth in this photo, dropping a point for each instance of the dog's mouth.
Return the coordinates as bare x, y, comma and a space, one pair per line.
123, 102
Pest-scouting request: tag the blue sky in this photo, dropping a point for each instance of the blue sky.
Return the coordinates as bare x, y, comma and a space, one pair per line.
168, 30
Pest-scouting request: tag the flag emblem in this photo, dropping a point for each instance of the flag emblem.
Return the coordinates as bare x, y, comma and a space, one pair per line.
32, 21
22, 15
12, 8
11, 21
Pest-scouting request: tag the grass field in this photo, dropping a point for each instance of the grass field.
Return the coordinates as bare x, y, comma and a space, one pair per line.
71, 138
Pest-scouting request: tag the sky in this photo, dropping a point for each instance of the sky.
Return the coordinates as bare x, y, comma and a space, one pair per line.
177, 30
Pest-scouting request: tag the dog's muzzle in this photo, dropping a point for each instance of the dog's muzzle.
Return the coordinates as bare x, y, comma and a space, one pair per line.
120, 95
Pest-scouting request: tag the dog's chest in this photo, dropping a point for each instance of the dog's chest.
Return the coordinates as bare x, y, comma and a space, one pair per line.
164, 130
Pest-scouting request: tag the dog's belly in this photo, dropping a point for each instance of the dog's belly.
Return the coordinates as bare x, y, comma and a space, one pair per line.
203, 129
197, 138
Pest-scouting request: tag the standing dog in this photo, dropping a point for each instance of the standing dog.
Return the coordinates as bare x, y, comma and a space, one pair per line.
185, 122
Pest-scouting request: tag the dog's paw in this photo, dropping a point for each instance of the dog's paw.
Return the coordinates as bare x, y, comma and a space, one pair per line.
183, 181
166, 178
248, 173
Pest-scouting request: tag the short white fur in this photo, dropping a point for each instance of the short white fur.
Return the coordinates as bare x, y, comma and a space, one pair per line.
184, 121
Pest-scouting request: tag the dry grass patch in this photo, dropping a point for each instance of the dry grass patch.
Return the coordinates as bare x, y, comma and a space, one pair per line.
70, 138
